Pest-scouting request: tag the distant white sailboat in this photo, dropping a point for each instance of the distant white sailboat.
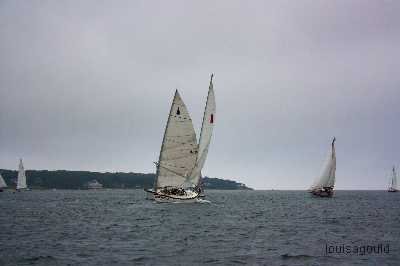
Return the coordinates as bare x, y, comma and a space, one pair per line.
181, 158
3, 183
323, 185
21, 180
393, 182
94, 184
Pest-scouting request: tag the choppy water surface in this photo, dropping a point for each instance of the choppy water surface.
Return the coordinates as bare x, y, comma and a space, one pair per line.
120, 227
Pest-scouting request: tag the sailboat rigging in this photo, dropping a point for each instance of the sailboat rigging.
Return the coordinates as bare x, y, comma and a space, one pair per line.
181, 159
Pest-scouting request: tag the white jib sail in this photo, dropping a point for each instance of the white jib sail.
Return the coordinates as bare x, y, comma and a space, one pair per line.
205, 135
179, 147
21, 181
327, 178
2, 182
393, 184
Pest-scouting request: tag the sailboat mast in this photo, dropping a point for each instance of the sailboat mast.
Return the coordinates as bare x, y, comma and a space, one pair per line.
393, 177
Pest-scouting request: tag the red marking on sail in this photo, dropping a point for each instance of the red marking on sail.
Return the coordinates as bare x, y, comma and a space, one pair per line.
212, 118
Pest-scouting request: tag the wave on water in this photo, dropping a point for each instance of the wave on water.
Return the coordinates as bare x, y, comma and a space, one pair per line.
37, 258
300, 256
121, 227
203, 201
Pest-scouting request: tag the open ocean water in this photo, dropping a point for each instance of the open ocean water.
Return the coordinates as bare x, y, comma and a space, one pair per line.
120, 227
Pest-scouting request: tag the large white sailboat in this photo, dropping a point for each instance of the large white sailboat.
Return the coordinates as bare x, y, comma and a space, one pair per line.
3, 183
181, 158
21, 180
324, 184
393, 182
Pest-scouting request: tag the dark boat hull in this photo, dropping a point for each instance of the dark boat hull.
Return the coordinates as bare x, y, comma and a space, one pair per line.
322, 193
161, 197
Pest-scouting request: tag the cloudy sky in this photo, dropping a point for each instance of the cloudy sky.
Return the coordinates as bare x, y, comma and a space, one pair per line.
87, 85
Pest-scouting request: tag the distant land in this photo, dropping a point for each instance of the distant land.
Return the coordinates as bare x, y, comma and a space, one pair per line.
65, 179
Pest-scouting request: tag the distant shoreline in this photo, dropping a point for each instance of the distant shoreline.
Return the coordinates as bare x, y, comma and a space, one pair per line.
66, 179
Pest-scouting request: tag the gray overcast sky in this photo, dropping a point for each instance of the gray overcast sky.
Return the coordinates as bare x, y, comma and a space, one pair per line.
87, 85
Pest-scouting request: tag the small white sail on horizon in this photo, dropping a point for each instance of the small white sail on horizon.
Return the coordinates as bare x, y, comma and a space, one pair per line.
21, 180
326, 181
3, 183
393, 182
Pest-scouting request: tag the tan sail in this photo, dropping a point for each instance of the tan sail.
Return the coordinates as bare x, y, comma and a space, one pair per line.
179, 148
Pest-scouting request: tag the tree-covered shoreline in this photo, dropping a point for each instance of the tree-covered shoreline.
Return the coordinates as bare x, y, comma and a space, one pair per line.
65, 179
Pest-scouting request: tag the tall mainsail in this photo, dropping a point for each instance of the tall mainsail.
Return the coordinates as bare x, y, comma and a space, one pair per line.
21, 181
327, 178
393, 183
179, 147
2, 182
206, 134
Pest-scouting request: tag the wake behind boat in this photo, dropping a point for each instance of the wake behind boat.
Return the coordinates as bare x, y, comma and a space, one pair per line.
323, 185
393, 181
178, 177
